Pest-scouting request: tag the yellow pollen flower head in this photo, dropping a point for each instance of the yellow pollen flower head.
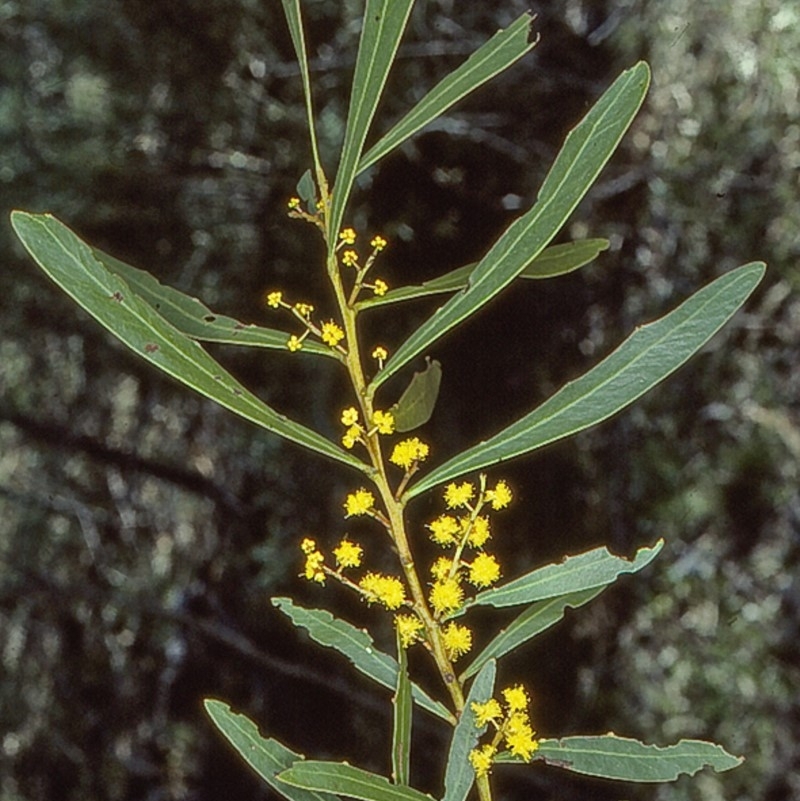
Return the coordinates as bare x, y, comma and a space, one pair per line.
350, 258
384, 421
409, 452
378, 242
481, 759
440, 569
443, 530
484, 570
380, 287
410, 629
386, 590
500, 496
347, 236
456, 495
359, 502
489, 711
446, 596
274, 299
352, 435
457, 640
308, 545
332, 334
348, 554
294, 343
479, 531
304, 309
520, 737
313, 568
293, 203
516, 698
380, 353
349, 416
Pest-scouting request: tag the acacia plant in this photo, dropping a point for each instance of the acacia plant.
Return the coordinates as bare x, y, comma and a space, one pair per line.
429, 603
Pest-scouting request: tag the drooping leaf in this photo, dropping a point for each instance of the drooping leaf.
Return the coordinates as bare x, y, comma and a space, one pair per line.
344, 779
307, 191
585, 152
72, 265
358, 647
383, 24
490, 59
459, 775
613, 757
194, 319
401, 730
551, 262
645, 358
267, 757
538, 617
417, 402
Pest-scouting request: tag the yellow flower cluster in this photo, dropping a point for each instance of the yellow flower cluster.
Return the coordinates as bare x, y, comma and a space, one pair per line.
511, 725
313, 570
387, 590
409, 453
409, 628
360, 502
330, 332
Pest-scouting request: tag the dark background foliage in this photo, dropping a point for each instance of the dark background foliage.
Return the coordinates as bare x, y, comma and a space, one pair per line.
143, 530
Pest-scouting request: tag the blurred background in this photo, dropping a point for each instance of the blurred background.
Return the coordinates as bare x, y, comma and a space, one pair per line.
143, 530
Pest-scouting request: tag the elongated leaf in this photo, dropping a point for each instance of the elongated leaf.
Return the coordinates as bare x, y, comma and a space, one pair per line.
358, 647
538, 617
614, 757
403, 709
585, 152
459, 775
196, 320
645, 358
267, 757
383, 25
551, 262
496, 55
595, 568
417, 402
72, 265
344, 779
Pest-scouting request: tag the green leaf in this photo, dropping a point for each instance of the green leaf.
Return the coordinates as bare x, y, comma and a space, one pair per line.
307, 191
358, 647
403, 709
344, 779
490, 59
196, 320
72, 265
382, 28
595, 568
551, 262
266, 757
623, 759
459, 775
586, 150
537, 618
645, 358
417, 402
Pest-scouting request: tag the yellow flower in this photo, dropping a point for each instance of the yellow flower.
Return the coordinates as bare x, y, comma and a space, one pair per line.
520, 737
384, 421
500, 496
443, 530
457, 640
350, 258
308, 545
348, 554
314, 560
481, 759
294, 343
349, 416
380, 353
484, 570
489, 711
408, 452
456, 495
293, 203
378, 242
332, 334
440, 569
380, 287
274, 299
479, 532
516, 698
304, 309
352, 435
359, 502
387, 590
446, 596
410, 629
347, 236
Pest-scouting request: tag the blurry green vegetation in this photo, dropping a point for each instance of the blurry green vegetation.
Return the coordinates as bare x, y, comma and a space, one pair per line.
143, 530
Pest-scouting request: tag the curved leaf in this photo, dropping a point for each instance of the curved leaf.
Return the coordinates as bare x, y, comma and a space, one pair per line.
645, 358
72, 265
403, 713
490, 59
344, 779
266, 757
382, 27
585, 152
193, 318
358, 647
613, 757
533, 621
595, 568
418, 400
551, 262
459, 775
